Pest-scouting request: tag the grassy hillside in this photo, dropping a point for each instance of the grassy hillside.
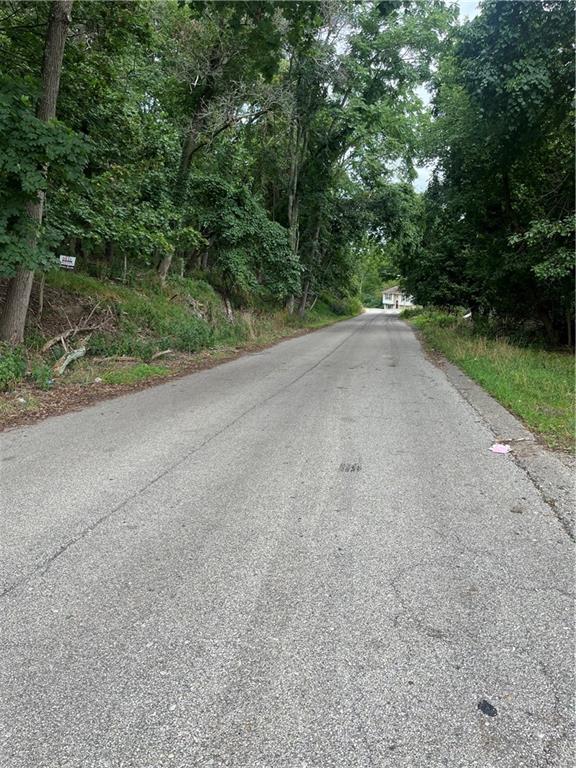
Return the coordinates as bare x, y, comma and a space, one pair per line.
130, 334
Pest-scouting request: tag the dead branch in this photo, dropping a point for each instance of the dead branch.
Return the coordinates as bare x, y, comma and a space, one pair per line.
65, 360
94, 308
67, 334
161, 354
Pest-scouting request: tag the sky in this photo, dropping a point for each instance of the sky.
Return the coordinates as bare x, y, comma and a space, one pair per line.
468, 9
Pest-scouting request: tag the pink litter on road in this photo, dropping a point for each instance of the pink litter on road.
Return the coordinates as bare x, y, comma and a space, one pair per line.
500, 448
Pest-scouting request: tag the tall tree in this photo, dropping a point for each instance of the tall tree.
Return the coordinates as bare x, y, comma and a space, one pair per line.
13, 318
499, 230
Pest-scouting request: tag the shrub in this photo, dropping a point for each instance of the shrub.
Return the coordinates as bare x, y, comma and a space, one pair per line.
124, 343
12, 366
188, 334
434, 317
343, 305
410, 312
42, 375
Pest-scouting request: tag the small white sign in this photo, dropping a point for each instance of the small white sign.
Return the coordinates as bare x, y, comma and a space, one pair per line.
67, 262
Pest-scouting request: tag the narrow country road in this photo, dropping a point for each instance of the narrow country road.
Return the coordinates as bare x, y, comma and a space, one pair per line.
304, 558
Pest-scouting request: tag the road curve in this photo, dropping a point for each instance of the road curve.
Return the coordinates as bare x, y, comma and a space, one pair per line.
304, 558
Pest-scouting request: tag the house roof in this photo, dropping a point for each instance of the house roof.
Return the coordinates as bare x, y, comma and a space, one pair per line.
393, 289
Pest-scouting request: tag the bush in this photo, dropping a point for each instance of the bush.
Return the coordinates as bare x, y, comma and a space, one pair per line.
188, 334
126, 343
434, 317
12, 366
43, 376
410, 312
343, 305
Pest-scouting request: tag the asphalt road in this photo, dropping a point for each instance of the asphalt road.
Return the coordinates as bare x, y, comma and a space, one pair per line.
304, 558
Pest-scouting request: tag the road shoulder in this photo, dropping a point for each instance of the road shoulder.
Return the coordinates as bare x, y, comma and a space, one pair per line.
37, 405
552, 472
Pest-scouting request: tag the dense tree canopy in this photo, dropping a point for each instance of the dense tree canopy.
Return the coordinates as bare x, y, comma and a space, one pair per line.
270, 146
498, 227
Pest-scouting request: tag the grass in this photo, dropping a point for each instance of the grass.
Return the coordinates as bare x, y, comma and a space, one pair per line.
181, 316
134, 374
535, 384
186, 316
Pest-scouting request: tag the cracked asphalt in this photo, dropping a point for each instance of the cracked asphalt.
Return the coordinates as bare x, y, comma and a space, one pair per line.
304, 558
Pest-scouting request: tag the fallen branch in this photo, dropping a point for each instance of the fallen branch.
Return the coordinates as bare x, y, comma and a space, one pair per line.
161, 354
94, 308
70, 332
65, 360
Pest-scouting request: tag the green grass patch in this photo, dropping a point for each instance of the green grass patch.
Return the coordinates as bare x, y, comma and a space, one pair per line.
140, 372
535, 384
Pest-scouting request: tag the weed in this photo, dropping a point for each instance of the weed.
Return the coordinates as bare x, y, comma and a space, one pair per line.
12, 366
42, 375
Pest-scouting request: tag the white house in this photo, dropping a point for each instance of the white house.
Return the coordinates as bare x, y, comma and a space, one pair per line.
393, 298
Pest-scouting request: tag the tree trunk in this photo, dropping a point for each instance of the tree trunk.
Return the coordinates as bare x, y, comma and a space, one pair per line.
189, 146
293, 198
41, 297
314, 263
304, 299
164, 266
13, 318
16, 307
546, 320
569, 328
180, 183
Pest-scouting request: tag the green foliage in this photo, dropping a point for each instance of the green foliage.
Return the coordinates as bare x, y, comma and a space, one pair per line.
125, 343
430, 317
12, 366
498, 231
251, 252
348, 306
27, 145
268, 149
410, 312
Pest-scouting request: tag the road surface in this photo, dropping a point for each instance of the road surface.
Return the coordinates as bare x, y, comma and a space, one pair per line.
304, 558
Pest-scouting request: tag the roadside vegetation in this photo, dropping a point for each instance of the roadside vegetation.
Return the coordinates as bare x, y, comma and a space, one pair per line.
129, 335
239, 145
227, 173
533, 382
494, 231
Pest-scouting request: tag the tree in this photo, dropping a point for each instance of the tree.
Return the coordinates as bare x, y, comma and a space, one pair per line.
13, 318
499, 225
242, 46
